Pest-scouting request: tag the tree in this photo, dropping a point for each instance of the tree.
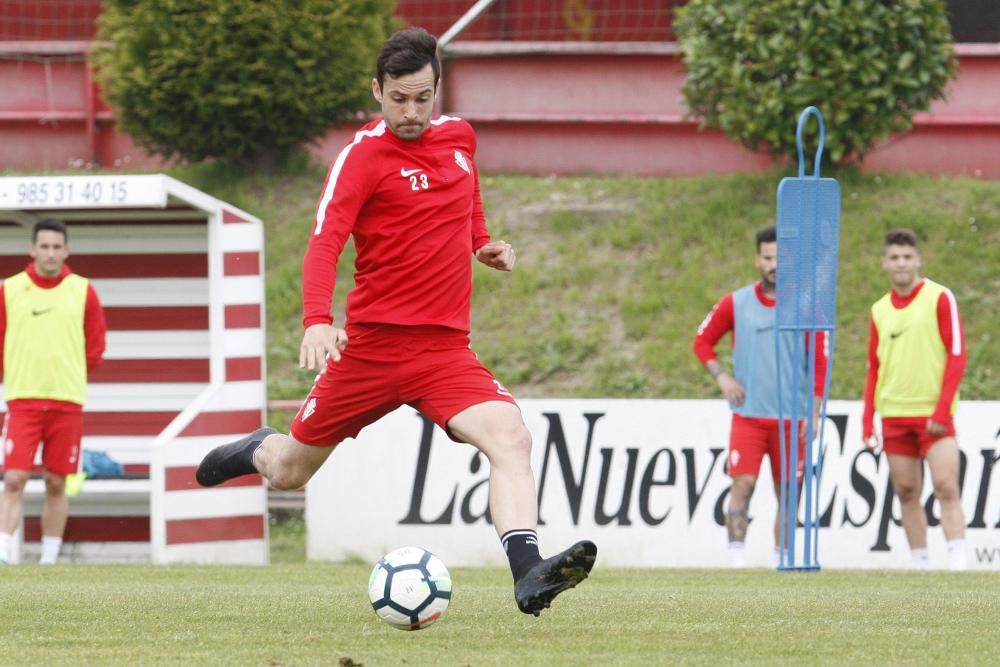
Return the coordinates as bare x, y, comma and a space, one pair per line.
242, 80
868, 65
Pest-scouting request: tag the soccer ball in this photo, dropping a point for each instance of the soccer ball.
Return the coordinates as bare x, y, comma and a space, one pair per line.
410, 588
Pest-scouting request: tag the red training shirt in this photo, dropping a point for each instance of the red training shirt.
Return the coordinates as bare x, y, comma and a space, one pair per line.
416, 215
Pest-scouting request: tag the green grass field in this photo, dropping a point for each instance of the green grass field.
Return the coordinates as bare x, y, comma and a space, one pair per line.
311, 614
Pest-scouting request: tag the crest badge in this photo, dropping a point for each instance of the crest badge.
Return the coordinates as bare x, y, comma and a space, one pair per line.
462, 162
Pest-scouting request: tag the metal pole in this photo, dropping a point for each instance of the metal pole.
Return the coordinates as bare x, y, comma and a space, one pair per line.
462, 23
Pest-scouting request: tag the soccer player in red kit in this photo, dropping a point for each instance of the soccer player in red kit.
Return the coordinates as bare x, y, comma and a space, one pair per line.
748, 314
407, 188
916, 357
52, 334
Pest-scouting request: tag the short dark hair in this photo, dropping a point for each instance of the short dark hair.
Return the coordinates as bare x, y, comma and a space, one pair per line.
766, 235
50, 225
901, 236
406, 52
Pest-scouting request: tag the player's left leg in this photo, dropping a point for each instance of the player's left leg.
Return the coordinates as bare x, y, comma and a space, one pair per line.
497, 430
774, 454
55, 512
61, 456
943, 459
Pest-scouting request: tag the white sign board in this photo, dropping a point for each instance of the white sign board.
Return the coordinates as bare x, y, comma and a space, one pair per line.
642, 478
76, 192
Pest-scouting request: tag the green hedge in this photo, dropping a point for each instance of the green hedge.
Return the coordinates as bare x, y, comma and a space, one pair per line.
237, 79
868, 65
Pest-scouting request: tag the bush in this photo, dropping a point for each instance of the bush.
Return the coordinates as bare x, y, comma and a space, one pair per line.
868, 65
242, 80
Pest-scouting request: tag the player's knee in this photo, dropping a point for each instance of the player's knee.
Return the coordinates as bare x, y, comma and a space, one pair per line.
521, 441
288, 477
907, 492
286, 474
515, 443
509, 446
741, 491
947, 491
55, 485
13, 484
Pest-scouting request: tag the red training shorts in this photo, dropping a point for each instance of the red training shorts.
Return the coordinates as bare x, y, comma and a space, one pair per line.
58, 431
752, 437
429, 368
908, 436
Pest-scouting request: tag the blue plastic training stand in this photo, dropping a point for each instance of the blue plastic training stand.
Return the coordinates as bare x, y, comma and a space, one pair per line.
808, 242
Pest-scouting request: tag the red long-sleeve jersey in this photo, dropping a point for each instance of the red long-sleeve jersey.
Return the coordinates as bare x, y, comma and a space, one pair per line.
416, 215
949, 326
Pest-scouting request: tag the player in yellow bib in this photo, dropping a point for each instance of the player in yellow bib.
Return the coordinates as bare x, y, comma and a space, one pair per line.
916, 357
52, 333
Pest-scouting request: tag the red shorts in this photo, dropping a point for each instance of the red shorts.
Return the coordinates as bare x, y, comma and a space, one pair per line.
908, 436
429, 368
59, 430
752, 437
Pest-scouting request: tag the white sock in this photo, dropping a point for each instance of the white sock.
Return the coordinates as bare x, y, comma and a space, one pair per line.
50, 550
777, 556
956, 555
6, 540
919, 559
737, 554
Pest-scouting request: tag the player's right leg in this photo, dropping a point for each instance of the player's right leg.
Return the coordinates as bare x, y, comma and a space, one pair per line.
901, 444
234, 459
748, 442
22, 433
11, 505
282, 460
906, 476
738, 517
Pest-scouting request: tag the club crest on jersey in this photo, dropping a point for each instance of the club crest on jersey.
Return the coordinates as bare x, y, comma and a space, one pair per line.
461, 162
308, 409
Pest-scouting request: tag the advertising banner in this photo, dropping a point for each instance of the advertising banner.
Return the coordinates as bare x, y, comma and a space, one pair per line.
644, 479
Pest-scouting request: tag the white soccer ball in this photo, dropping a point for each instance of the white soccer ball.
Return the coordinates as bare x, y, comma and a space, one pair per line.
410, 588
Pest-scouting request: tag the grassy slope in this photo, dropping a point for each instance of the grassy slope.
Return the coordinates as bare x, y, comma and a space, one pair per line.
615, 274
312, 614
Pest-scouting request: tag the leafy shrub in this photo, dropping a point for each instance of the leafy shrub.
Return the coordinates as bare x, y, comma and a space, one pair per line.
237, 79
868, 65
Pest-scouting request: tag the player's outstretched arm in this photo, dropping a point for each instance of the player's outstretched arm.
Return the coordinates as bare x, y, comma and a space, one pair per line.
319, 342
498, 255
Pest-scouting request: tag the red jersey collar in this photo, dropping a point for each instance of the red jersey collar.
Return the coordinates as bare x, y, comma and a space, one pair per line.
44, 281
763, 298
899, 301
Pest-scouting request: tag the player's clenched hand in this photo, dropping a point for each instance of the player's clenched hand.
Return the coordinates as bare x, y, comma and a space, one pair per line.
936, 428
319, 342
498, 255
732, 390
872, 443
